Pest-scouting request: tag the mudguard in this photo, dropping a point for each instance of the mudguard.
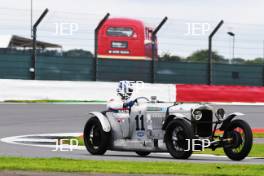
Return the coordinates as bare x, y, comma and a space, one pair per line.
171, 117
103, 120
228, 119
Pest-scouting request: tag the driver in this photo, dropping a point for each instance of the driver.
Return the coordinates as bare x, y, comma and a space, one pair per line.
124, 100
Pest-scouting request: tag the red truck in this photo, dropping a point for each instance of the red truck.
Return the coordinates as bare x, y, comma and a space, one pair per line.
124, 38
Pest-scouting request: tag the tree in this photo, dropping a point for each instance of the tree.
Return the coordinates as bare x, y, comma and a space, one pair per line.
258, 60
202, 56
77, 53
238, 61
169, 57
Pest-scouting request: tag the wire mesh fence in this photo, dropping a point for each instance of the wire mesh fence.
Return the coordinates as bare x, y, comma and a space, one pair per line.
238, 59
179, 37
14, 66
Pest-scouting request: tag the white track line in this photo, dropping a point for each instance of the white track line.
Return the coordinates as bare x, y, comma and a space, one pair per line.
34, 138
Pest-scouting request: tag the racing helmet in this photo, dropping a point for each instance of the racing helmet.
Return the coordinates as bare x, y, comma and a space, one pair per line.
125, 89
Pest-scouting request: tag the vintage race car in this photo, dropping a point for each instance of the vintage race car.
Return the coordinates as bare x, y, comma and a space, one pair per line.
177, 128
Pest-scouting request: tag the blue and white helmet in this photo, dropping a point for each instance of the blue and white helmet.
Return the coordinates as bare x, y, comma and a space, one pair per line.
125, 89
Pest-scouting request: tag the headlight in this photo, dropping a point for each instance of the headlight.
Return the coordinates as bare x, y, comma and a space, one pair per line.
220, 114
197, 115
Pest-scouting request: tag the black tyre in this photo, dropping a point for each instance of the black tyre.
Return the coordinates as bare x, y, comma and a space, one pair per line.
176, 135
95, 139
239, 141
142, 153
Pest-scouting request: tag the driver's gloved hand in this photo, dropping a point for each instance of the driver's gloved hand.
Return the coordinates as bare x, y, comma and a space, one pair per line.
129, 104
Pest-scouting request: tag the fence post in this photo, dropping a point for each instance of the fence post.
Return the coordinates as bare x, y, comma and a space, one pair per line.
96, 43
210, 77
153, 43
33, 56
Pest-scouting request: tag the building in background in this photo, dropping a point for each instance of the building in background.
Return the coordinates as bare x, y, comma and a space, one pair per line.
18, 44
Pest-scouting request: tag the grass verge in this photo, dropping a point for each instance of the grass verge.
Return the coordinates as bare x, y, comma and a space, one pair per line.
258, 135
128, 167
256, 151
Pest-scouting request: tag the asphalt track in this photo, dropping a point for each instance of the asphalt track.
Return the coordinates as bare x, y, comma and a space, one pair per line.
25, 119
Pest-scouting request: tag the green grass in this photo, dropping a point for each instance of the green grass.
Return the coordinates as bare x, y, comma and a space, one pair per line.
79, 139
256, 151
255, 134
53, 101
128, 167
258, 135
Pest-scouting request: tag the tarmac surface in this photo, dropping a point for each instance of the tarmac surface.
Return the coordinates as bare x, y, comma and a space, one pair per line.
27, 119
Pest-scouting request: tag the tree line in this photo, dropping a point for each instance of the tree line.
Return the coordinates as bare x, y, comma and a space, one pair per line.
202, 57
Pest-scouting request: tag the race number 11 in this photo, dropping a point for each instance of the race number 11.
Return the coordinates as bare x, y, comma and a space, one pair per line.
141, 119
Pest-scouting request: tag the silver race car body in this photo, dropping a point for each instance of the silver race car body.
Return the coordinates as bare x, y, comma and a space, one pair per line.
153, 126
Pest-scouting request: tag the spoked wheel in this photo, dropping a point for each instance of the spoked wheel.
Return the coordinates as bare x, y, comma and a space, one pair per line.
142, 153
95, 139
239, 140
177, 138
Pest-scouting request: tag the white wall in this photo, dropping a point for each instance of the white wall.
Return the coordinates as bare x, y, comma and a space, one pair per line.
75, 90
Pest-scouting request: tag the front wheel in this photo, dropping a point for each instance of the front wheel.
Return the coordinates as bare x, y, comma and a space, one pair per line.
177, 139
239, 140
96, 140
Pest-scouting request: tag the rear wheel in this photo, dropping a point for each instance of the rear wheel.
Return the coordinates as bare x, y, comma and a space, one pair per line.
142, 153
96, 140
239, 140
177, 139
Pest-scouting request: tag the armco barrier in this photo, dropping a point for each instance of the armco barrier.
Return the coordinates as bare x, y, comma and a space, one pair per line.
88, 90
205, 93
76, 90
